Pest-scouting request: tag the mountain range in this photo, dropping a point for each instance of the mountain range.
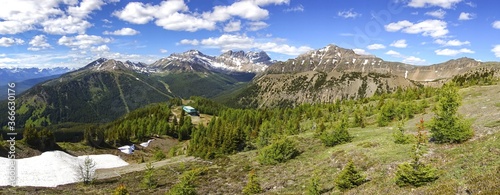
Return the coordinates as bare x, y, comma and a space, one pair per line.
106, 89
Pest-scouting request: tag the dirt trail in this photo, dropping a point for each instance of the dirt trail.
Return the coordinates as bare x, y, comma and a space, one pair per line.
119, 171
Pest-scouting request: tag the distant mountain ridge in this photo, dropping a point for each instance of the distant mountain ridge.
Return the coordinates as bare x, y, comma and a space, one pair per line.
194, 60
332, 73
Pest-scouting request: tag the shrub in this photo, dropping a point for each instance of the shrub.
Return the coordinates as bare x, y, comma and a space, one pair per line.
159, 155
447, 125
186, 185
278, 152
349, 177
148, 182
313, 187
415, 174
253, 186
338, 136
121, 190
399, 135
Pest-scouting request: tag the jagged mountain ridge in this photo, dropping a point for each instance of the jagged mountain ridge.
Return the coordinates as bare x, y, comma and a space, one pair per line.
334, 58
194, 60
332, 72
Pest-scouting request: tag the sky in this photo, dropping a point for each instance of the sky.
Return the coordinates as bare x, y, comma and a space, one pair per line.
72, 33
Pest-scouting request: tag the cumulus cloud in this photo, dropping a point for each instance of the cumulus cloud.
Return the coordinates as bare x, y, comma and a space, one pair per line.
375, 46
175, 14
399, 43
496, 51
413, 60
233, 26
39, 42
360, 51
100, 49
163, 51
452, 52
349, 14
255, 26
433, 28
466, 16
447, 4
453, 42
242, 42
48, 16
9, 41
496, 24
393, 53
437, 13
298, 8
82, 41
122, 32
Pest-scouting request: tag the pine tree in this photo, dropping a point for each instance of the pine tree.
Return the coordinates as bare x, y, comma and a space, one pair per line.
447, 125
253, 186
416, 173
349, 177
148, 181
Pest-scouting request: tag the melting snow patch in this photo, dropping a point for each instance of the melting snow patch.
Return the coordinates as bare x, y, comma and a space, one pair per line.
53, 168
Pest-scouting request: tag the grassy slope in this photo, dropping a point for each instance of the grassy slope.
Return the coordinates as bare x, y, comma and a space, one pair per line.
472, 167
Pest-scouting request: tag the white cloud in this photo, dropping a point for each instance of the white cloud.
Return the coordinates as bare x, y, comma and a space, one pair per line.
175, 14
437, 13
396, 26
496, 24
100, 49
122, 32
233, 26
184, 22
242, 42
496, 51
52, 16
189, 42
82, 41
85, 8
471, 4
466, 16
414, 60
349, 14
39, 42
399, 43
375, 46
447, 4
393, 53
299, 8
360, 51
452, 52
163, 51
454, 42
433, 28
255, 26
9, 41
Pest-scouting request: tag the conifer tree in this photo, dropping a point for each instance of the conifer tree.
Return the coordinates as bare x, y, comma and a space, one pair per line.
416, 173
447, 125
349, 177
253, 186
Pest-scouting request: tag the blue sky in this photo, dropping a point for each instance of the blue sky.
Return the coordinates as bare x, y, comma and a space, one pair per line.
71, 33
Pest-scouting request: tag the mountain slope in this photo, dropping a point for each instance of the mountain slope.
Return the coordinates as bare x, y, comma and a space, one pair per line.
100, 92
332, 72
